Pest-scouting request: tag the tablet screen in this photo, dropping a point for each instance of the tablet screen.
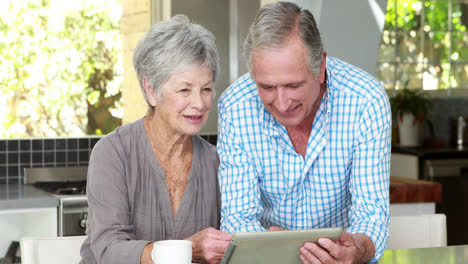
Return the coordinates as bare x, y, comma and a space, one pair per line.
273, 246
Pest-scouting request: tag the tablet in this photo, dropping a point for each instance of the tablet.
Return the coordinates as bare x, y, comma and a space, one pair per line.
273, 246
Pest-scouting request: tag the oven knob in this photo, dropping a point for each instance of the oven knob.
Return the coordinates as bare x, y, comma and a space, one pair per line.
83, 221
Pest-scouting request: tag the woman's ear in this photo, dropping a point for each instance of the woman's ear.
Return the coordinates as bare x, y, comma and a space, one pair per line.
149, 92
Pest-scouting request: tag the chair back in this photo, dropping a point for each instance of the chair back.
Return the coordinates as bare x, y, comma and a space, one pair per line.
51, 250
417, 231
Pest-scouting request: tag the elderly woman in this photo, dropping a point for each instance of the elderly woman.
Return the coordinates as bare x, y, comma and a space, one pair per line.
155, 179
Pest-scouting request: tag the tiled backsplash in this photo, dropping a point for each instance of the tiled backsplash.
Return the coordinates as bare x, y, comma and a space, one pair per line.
16, 154
443, 109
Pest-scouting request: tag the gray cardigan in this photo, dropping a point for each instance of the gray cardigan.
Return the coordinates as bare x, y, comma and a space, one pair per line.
128, 200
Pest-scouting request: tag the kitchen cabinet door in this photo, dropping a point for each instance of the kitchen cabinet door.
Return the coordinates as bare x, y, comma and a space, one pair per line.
17, 223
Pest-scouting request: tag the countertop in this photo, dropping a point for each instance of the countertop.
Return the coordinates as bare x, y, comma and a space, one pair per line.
446, 152
24, 196
403, 190
446, 255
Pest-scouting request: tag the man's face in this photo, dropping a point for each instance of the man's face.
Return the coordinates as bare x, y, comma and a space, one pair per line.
286, 87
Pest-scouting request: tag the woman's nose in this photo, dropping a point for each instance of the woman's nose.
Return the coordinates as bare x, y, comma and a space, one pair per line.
197, 101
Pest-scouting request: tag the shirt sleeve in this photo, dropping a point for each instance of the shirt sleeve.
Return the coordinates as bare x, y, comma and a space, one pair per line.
370, 175
238, 181
112, 238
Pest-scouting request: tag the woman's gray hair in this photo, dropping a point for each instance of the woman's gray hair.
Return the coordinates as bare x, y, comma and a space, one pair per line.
171, 46
273, 25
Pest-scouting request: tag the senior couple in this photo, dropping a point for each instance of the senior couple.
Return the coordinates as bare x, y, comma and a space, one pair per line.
303, 142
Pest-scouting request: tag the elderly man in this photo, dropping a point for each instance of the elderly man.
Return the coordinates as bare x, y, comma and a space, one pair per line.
304, 142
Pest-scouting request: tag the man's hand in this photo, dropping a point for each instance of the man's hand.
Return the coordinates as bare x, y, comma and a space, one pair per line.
209, 245
349, 249
275, 228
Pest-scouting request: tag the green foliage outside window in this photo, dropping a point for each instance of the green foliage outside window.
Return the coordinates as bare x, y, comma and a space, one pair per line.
424, 45
60, 67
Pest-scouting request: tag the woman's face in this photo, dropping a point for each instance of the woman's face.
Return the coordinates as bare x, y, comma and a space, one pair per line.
186, 100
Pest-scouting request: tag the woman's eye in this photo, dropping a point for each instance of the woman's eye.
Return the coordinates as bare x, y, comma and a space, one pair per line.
207, 89
184, 90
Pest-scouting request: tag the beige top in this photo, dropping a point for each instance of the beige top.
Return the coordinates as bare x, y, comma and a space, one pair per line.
128, 200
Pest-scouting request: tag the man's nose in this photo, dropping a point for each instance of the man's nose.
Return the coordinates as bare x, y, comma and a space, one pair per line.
283, 100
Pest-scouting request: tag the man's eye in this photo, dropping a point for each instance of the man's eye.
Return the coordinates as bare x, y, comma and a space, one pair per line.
267, 87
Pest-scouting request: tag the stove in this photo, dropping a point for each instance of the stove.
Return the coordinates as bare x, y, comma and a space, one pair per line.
68, 184
63, 188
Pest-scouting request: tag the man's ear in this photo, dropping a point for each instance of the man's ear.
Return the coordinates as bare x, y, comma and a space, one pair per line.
149, 92
323, 67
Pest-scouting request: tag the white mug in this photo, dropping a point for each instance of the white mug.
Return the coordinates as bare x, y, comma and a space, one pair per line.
172, 252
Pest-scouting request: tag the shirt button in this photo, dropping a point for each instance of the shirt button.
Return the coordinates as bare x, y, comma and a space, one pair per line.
299, 204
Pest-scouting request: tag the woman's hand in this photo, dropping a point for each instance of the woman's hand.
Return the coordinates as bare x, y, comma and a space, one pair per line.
209, 245
146, 257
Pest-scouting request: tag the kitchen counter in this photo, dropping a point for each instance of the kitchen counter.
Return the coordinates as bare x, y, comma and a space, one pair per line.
19, 196
409, 196
403, 190
448, 152
24, 196
446, 255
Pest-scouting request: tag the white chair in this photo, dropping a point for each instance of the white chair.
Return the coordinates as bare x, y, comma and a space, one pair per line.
417, 231
51, 250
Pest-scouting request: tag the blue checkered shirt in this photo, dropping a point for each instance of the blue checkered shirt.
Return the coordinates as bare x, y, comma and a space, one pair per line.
343, 181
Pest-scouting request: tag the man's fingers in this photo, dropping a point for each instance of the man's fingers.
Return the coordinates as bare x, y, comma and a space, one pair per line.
316, 253
304, 259
307, 256
275, 228
346, 239
332, 248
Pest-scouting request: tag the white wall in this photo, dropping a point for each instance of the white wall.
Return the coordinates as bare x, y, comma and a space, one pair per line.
242, 14
229, 22
351, 30
214, 16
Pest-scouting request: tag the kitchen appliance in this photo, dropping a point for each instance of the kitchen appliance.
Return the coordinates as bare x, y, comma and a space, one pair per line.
459, 131
68, 184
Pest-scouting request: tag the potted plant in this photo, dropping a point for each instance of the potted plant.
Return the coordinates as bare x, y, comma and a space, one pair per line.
411, 108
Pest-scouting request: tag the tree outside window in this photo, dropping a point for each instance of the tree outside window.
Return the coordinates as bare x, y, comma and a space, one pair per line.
60, 67
424, 45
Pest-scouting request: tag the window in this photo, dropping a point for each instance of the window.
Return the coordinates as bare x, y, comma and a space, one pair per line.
424, 45
60, 67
